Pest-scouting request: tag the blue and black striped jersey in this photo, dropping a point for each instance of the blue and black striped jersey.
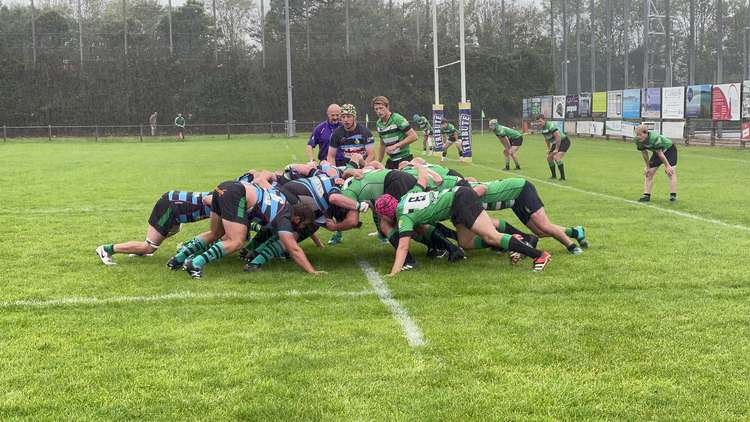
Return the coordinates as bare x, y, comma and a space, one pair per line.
188, 207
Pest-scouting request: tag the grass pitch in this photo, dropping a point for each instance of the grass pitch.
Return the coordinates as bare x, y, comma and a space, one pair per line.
651, 322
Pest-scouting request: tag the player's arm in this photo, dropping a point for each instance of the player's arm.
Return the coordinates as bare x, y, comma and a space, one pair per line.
369, 152
316, 241
667, 167
345, 202
298, 255
480, 189
644, 154
264, 178
401, 251
351, 221
556, 135
355, 173
411, 136
309, 150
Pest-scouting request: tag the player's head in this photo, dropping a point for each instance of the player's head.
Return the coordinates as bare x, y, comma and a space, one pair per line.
333, 113
541, 118
415, 118
302, 216
386, 206
382, 105
444, 123
493, 123
348, 116
641, 132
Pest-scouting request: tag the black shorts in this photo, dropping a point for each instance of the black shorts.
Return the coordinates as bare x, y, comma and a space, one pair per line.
162, 217
393, 165
229, 202
564, 145
466, 207
452, 172
527, 203
670, 153
516, 142
397, 183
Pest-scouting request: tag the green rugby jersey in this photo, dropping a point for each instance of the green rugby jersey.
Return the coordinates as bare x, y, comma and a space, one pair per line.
501, 194
448, 131
548, 131
653, 142
394, 131
448, 182
501, 131
419, 208
369, 188
424, 124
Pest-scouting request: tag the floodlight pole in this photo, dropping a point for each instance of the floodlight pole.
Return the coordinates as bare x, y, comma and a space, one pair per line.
33, 32
169, 19
290, 114
263, 34
80, 32
125, 26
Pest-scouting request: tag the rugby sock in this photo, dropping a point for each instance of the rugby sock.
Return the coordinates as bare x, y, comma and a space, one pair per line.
671, 195
552, 168
269, 250
191, 247
517, 246
479, 243
571, 232
561, 167
110, 249
571, 247
505, 227
213, 253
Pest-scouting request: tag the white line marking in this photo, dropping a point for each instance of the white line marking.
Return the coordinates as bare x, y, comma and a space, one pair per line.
85, 210
628, 201
400, 314
170, 297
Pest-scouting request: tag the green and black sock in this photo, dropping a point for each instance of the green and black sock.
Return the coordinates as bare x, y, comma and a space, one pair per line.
561, 167
266, 252
571, 232
110, 249
552, 169
517, 246
191, 247
213, 253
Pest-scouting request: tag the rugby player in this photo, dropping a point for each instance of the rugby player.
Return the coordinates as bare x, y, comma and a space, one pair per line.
663, 151
558, 144
461, 205
395, 134
450, 137
350, 138
170, 211
426, 127
511, 140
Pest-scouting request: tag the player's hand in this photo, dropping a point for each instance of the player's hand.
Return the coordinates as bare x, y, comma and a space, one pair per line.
330, 225
392, 274
358, 174
669, 170
363, 206
645, 171
391, 149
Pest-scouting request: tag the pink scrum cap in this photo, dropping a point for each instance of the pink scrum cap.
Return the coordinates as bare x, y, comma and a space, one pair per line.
386, 205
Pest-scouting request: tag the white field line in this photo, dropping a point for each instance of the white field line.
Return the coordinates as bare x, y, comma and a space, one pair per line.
172, 297
400, 314
628, 201
84, 210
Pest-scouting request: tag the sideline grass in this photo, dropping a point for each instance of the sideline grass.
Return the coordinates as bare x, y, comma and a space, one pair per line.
652, 322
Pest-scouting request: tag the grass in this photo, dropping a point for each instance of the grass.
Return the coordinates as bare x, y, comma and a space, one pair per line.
652, 322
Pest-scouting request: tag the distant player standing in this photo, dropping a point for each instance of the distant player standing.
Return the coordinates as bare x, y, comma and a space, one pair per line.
512, 141
152, 122
321, 135
663, 152
558, 144
395, 134
426, 127
179, 121
450, 137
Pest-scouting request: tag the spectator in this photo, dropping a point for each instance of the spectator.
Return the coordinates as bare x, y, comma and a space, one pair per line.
179, 121
152, 123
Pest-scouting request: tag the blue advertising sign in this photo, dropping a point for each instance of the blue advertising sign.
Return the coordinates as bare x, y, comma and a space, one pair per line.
631, 104
464, 127
437, 118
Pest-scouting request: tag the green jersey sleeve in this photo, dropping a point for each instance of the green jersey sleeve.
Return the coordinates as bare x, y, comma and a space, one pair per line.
401, 122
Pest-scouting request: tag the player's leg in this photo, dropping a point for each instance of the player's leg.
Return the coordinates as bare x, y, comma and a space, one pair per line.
648, 184
559, 162
145, 247
234, 235
514, 156
506, 152
673, 185
551, 164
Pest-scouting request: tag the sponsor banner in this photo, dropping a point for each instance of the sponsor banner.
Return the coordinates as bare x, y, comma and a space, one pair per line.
651, 103
614, 104
464, 127
571, 106
570, 126
653, 126
437, 118
745, 130
599, 104
526, 108
698, 98
673, 102
597, 128
583, 127
631, 104
628, 128
558, 107
547, 106
584, 105
726, 102
614, 128
536, 106
746, 100
674, 130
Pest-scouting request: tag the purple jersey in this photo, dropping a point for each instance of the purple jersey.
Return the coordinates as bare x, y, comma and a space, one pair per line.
321, 137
